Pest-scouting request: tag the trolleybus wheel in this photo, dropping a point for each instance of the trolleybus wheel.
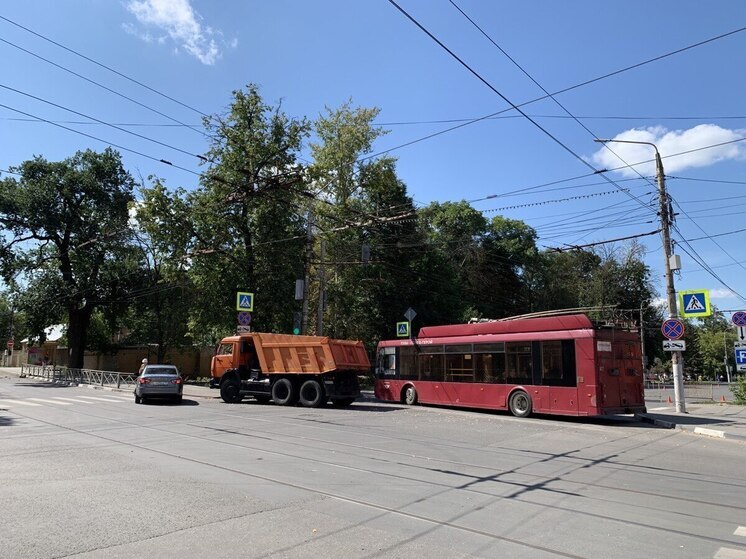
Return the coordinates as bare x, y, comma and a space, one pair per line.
410, 395
311, 394
520, 404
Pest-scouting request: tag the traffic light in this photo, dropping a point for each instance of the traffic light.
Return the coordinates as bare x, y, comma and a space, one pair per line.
297, 319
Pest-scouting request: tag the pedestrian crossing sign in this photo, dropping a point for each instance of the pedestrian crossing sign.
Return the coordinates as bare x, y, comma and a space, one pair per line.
695, 303
244, 301
402, 329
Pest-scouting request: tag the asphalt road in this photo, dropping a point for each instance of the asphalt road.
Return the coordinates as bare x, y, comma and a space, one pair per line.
87, 473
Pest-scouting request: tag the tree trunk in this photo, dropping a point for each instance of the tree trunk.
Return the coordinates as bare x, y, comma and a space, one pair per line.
77, 333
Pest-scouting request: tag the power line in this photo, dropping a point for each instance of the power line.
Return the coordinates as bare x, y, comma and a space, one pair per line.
124, 124
82, 77
561, 91
100, 64
503, 97
200, 157
164, 161
560, 105
556, 201
578, 247
705, 180
580, 117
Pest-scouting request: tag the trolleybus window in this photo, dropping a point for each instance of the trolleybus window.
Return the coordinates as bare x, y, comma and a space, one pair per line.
489, 367
430, 363
518, 358
558, 363
407, 363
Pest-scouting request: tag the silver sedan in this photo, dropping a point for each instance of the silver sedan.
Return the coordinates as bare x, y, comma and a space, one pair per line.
159, 381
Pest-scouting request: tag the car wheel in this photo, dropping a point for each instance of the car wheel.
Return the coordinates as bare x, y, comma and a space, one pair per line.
410, 395
138, 400
179, 399
283, 392
520, 404
230, 390
312, 394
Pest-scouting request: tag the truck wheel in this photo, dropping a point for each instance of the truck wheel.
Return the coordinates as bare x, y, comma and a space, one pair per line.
343, 402
230, 390
312, 394
410, 395
283, 392
520, 404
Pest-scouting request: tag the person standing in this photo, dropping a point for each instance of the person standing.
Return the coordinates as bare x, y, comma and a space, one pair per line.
142, 366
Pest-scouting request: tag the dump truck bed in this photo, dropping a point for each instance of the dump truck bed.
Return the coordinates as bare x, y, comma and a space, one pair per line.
283, 353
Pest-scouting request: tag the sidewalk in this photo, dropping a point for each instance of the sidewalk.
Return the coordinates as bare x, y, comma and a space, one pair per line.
723, 421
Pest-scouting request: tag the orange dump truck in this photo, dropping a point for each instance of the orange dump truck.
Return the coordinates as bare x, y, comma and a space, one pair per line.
287, 369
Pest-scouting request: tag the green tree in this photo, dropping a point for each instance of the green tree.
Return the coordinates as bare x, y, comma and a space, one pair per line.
245, 222
67, 239
159, 310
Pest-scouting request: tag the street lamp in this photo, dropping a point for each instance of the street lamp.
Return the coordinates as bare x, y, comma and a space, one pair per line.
677, 359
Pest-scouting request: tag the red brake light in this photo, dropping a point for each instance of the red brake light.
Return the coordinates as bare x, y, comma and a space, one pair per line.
143, 380
176, 381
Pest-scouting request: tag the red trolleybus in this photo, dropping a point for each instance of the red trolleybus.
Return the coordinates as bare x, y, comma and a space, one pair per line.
562, 365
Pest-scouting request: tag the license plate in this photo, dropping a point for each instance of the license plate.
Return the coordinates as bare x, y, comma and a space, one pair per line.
160, 384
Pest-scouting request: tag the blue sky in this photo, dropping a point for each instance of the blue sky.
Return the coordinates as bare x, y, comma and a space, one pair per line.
310, 55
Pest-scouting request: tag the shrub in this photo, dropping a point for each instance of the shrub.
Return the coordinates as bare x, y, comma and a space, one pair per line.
739, 391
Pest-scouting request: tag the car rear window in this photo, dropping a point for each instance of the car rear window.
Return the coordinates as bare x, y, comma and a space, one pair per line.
161, 371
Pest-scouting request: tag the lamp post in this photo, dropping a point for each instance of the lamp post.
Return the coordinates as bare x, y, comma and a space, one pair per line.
677, 359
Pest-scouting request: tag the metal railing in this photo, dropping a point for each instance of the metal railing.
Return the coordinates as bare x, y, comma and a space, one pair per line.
79, 376
704, 391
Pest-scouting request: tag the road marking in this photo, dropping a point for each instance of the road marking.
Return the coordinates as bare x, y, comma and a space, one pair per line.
102, 399
72, 400
50, 401
19, 402
728, 553
660, 409
740, 531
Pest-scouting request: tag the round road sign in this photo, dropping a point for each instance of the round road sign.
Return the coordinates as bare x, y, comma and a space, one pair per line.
739, 318
673, 329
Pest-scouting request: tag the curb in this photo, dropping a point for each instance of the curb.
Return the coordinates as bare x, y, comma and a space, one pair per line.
702, 431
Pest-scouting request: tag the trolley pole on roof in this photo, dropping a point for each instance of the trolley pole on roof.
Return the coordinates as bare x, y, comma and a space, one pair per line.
677, 358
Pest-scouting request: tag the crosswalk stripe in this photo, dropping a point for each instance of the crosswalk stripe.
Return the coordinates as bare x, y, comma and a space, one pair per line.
101, 399
50, 401
72, 400
728, 553
11, 402
740, 531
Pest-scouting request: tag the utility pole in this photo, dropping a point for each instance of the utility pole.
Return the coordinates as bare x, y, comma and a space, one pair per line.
677, 359
307, 272
322, 294
642, 347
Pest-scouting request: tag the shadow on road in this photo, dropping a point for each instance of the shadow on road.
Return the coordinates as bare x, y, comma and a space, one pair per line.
682, 419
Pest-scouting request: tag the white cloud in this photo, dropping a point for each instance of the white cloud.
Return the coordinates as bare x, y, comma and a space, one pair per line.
178, 20
670, 142
721, 294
